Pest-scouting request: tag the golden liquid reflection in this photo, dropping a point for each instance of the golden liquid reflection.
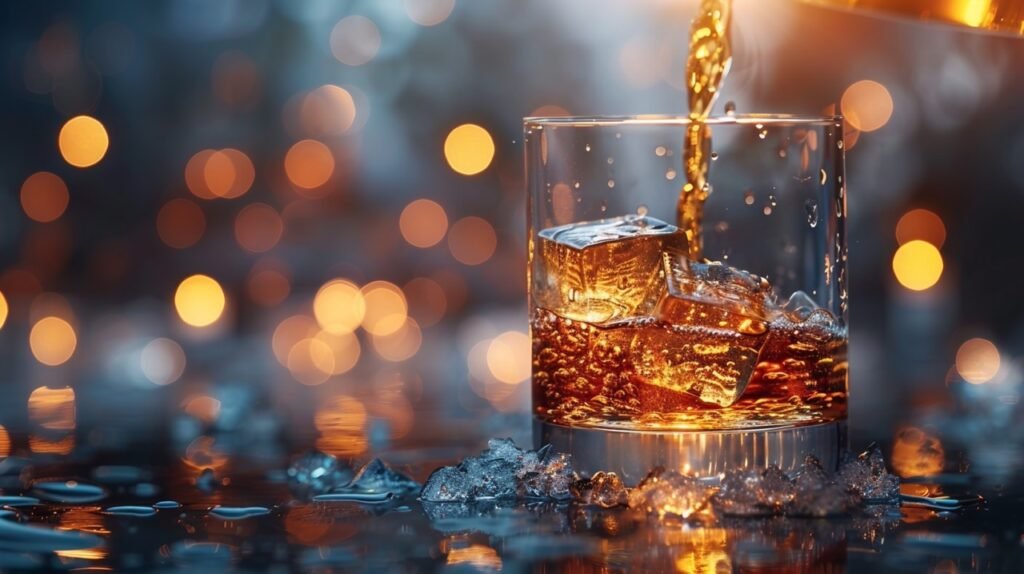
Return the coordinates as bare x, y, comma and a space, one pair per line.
917, 453
84, 519
341, 421
476, 555
202, 453
52, 409
5, 442
43, 445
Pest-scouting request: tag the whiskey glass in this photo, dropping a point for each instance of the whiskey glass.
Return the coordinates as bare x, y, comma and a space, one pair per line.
700, 350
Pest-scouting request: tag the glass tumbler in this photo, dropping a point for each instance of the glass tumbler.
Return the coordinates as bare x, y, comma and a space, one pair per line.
698, 338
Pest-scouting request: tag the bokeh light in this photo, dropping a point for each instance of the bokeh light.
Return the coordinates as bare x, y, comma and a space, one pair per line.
977, 361
917, 265
423, 223
258, 227
52, 341
162, 361
44, 196
472, 240
386, 308
469, 149
563, 204
867, 105
355, 40
429, 12
195, 174
4, 310
199, 300
53, 409
328, 110
309, 164
400, 345
339, 306
337, 353
268, 285
426, 299
202, 407
228, 173
310, 362
180, 223
921, 224
83, 141
289, 332
509, 357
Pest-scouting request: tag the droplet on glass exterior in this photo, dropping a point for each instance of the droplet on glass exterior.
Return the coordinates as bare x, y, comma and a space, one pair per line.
641, 210
748, 198
767, 210
839, 144
660, 151
812, 212
588, 147
772, 200
670, 174
730, 108
576, 184
611, 183
611, 160
714, 156
824, 177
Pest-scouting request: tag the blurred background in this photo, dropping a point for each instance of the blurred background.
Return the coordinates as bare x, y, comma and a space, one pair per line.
247, 228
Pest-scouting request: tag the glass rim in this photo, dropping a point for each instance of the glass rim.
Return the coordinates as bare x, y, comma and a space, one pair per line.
681, 120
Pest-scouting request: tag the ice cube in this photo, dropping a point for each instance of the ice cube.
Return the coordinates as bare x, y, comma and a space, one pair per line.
755, 492
376, 476
317, 472
670, 493
502, 471
715, 322
604, 489
868, 477
606, 270
447, 484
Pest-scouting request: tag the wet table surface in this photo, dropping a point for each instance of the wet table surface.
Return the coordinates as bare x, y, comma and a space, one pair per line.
102, 517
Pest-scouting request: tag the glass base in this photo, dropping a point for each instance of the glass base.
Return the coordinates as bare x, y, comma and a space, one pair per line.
632, 454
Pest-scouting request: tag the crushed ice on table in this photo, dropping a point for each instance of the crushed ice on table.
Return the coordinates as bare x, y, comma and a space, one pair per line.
317, 472
867, 476
604, 489
810, 491
503, 471
670, 493
377, 477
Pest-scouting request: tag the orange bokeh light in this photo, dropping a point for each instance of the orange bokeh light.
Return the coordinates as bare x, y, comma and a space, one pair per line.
180, 223
917, 265
469, 149
423, 223
309, 164
327, 110
978, 361
921, 224
386, 308
472, 240
427, 300
199, 300
44, 196
53, 341
268, 285
83, 141
867, 105
258, 227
